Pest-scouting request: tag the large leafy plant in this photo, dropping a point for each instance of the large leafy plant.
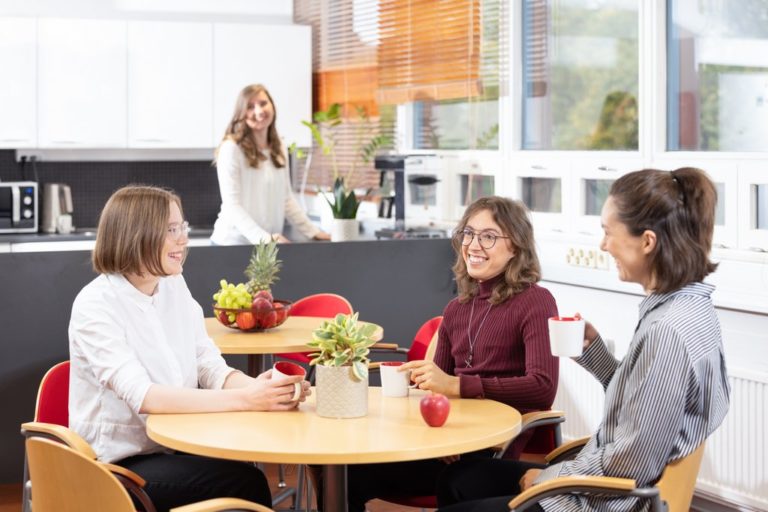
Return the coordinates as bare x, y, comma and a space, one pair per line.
343, 341
325, 130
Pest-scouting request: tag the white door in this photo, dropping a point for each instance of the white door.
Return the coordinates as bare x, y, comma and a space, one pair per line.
82, 83
277, 56
17, 87
170, 98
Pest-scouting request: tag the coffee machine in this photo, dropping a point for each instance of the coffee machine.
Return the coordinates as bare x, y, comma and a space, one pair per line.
57, 208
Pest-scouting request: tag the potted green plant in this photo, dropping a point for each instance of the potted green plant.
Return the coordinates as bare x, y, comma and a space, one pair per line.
342, 346
342, 199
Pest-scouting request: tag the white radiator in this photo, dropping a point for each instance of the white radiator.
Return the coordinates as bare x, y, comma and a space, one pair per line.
734, 467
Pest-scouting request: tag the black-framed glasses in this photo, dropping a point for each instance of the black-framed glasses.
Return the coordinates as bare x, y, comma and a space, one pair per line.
175, 230
486, 239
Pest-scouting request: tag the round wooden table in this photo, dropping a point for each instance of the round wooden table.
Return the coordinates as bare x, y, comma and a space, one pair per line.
290, 337
392, 431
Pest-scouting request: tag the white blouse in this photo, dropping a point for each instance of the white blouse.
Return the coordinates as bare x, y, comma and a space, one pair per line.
254, 202
120, 343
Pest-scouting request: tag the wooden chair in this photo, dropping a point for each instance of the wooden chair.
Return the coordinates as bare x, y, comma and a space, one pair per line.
68, 480
672, 493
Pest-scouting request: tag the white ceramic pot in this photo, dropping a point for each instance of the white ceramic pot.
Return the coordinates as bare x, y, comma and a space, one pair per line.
339, 393
343, 230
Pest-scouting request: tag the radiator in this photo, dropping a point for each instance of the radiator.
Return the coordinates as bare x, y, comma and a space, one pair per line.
733, 470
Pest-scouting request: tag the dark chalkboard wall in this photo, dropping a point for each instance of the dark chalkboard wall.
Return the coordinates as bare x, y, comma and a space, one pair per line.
396, 284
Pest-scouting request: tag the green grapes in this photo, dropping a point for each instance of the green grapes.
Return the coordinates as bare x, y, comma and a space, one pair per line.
232, 296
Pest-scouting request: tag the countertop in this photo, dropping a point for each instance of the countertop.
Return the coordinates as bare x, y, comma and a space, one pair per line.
80, 239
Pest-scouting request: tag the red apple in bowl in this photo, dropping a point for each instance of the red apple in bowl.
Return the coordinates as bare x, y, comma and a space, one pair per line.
434, 409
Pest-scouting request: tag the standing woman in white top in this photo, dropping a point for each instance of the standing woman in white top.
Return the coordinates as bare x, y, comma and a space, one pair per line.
138, 346
254, 182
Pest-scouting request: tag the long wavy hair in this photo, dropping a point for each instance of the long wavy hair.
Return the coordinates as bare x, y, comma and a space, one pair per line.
521, 271
239, 131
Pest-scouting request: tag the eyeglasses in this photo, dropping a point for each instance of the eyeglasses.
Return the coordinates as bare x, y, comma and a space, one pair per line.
175, 230
486, 239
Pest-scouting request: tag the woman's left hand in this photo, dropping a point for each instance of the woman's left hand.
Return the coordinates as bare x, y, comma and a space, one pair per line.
427, 375
527, 481
322, 236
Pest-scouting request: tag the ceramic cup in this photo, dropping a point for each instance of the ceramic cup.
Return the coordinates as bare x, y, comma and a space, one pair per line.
394, 382
566, 336
64, 224
285, 369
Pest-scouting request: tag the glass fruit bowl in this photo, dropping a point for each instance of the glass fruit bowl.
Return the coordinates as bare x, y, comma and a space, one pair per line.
249, 319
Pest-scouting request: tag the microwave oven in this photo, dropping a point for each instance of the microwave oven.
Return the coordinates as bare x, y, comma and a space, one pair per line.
429, 181
18, 207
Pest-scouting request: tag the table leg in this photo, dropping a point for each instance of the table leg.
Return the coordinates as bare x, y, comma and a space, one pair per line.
256, 363
335, 488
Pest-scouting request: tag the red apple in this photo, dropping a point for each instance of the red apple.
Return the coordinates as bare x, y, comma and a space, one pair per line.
245, 320
223, 317
282, 313
265, 294
261, 304
267, 319
434, 409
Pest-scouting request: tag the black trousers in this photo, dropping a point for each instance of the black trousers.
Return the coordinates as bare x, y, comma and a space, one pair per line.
482, 485
397, 479
178, 479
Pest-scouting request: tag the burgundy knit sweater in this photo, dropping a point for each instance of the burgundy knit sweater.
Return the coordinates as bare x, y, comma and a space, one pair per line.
511, 361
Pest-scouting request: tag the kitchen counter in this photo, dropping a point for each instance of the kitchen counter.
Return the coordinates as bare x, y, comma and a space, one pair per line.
82, 239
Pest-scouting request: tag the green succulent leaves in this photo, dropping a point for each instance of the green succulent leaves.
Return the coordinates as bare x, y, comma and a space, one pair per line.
343, 341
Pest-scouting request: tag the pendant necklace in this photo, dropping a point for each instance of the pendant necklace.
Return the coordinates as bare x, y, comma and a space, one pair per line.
472, 341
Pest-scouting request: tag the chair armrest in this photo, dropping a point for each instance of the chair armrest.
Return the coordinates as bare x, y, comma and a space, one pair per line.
60, 434
126, 473
387, 346
133, 483
566, 450
221, 504
576, 483
540, 418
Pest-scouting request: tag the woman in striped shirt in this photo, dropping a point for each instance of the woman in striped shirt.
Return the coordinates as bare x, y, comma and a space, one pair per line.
670, 392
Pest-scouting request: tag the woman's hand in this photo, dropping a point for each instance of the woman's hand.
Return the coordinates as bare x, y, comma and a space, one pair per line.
279, 238
590, 333
322, 236
427, 375
265, 394
527, 481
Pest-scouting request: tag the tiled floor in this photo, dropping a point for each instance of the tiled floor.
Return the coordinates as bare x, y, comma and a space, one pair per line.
10, 494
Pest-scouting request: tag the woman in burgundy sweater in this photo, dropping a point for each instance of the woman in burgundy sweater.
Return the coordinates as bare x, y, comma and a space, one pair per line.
493, 342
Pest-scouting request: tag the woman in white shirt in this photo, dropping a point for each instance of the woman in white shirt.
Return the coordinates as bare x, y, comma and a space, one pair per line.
254, 182
138, 346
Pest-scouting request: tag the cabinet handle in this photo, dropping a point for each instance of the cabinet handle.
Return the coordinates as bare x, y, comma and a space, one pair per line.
65, 141
606, 168
538, 167
151, 140
14, 140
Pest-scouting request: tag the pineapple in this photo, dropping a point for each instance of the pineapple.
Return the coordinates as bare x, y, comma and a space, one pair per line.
263, 268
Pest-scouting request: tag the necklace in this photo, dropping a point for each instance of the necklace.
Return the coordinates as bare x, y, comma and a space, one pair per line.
472, 341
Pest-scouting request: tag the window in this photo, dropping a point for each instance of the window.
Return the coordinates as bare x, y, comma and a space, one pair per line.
717, 88
580, 75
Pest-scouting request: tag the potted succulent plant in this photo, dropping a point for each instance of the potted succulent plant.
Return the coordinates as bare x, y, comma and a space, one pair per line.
342, 199
342, 346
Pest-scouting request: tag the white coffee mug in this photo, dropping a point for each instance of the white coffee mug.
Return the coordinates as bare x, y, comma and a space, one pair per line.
394, 382
283, 369
566, 336
64, 224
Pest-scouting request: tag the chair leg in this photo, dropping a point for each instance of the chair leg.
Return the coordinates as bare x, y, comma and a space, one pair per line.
281, 476
26, 505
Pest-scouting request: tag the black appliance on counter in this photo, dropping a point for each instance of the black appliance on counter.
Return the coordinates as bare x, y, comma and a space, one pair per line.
18, 207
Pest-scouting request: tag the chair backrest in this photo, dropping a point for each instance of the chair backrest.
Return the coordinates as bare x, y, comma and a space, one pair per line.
321, 305
65, 480
423, 337
678, 480
53, 396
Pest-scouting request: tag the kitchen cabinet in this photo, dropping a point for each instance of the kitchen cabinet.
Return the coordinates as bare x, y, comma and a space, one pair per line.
170, 91
277, 56
82, 91
17, 88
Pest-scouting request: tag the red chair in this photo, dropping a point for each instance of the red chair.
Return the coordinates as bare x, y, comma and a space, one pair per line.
322, 305
52, 408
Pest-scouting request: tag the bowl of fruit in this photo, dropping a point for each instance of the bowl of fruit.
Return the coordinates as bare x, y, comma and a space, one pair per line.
250, 306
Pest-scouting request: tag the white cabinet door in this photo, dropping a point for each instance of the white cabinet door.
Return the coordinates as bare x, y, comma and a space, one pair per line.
277, 56
17, 87
170, 98
82, 83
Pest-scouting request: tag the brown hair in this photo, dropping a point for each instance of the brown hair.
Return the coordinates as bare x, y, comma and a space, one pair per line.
679, 207
133, 227
522, 270
239, 131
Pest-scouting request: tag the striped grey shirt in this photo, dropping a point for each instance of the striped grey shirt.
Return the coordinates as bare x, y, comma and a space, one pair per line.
661, 401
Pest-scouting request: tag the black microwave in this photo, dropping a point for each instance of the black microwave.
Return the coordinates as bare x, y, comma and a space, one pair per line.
18, 207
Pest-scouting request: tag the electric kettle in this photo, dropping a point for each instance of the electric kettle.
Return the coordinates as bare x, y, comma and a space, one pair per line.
57, 202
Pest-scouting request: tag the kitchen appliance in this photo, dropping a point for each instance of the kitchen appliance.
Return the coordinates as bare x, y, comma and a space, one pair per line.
57, 201
18, 207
